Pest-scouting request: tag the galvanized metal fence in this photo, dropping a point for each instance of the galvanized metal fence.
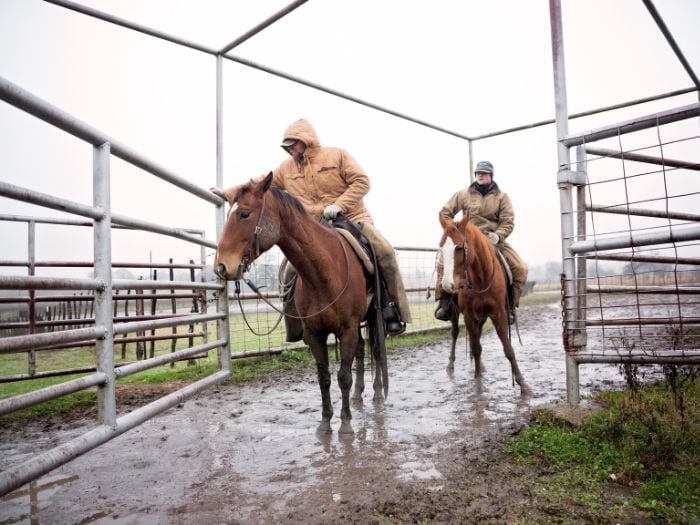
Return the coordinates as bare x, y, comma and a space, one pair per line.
54, 312
104, 330
631, 239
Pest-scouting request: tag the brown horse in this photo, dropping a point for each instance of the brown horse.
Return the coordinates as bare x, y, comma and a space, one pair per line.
331, 292
481, 288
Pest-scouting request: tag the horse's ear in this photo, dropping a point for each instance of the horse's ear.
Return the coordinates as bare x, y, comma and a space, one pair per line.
267, 181
444, 221
462, 224
443, 238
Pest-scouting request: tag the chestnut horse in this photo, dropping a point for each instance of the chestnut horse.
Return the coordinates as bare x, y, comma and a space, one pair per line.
481, 288
331, 292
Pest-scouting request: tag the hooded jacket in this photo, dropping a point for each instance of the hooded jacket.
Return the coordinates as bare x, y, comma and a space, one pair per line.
492, 211
325, 176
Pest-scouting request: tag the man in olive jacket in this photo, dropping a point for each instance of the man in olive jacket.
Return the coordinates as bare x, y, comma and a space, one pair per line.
491, 211
329, 181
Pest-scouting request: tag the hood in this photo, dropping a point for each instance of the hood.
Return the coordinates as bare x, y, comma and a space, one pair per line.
303, 130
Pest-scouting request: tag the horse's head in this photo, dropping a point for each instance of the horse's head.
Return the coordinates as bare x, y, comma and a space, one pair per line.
453, 251
247, 232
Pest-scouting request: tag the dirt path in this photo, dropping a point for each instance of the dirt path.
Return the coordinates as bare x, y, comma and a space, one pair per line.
250, 453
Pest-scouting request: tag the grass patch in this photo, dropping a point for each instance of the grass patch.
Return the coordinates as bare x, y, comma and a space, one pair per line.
638, 458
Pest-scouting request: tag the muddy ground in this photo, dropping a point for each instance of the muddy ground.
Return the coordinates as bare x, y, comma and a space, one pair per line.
250, 453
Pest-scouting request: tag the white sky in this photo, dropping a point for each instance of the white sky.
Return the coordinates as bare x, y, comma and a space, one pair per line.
469, 66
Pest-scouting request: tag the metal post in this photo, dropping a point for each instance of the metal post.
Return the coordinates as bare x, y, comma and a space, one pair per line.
31, 252
223, 330
102, 239
582, 260
471, 162
565, 185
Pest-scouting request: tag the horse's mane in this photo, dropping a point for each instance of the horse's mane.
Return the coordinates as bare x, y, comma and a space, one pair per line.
284, 198
287, 200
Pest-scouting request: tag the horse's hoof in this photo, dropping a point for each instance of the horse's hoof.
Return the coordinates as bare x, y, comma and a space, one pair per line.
525, 391
325, 427
357, 396
346, 429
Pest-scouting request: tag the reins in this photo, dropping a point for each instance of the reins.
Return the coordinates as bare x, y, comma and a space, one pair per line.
466, 268
246, 264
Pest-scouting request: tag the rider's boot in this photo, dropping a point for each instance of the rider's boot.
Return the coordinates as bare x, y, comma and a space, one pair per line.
515, 303
443, 310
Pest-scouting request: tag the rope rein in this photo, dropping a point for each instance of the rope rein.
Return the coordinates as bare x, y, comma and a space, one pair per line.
246, 264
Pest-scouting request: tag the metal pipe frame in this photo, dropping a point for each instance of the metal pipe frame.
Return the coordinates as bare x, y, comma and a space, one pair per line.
142, 284
683, 359
21, 282
642, 212
645, 321
125, 328
654, 290
21, 343
638, 157
146, 364
11, 404
671, 41
75, 222
646, 258
26, 101
49, 201
262, 25
102, 250
671, 235
106, 17
565, 182
89, 264
637, 124
40, 464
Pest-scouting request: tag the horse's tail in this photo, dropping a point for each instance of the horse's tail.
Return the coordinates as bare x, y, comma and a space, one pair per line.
375, 327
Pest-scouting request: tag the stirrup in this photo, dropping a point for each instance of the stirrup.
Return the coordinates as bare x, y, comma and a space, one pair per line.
441, 314
395, 327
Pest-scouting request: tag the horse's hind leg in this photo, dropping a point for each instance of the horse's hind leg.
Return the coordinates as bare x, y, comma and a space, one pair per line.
359, 368
319, 349
501, 325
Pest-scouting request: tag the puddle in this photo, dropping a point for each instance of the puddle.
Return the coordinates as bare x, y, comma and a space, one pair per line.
251, 452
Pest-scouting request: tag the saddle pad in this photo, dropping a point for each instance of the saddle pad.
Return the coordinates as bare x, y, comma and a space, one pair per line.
358, 250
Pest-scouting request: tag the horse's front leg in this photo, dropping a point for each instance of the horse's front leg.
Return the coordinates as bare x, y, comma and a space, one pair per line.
348, 347
359, 368
474, 328
501, 324
319, 349
454, 319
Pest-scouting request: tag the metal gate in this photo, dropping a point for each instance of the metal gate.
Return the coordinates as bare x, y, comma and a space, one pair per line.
620, 204
102, 285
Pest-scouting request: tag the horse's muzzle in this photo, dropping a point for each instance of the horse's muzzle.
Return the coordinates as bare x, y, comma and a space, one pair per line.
224, 274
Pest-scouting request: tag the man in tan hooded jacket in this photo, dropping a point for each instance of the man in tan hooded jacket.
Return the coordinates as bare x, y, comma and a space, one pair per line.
490, 210
329, 181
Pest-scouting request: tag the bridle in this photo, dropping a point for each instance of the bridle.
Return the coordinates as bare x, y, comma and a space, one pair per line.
246, 261
465, 268
248, 256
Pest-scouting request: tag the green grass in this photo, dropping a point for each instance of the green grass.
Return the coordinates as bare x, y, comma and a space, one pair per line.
640, 456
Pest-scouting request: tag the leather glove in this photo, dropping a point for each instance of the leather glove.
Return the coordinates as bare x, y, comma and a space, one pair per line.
219, 193
331, 211
493, 237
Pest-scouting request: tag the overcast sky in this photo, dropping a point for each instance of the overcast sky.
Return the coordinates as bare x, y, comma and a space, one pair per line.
468, 66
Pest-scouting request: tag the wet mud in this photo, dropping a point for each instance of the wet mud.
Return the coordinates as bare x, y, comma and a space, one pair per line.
250, 453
